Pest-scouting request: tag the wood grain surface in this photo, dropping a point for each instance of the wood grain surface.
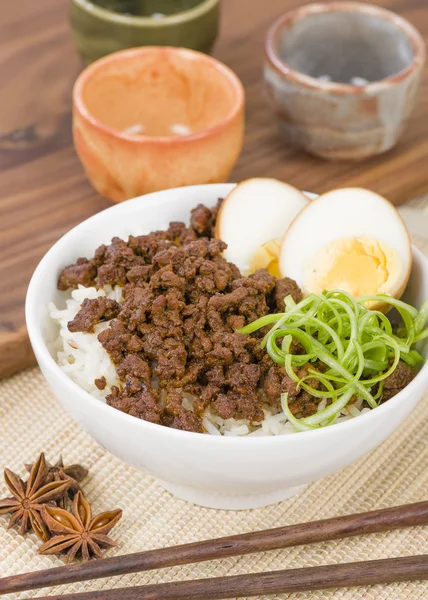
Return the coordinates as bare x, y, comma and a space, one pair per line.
43, 190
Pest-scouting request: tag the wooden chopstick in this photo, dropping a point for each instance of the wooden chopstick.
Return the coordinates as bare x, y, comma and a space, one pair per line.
372, 572
258, 541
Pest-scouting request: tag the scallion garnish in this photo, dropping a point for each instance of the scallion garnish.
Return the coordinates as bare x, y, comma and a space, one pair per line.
358, 348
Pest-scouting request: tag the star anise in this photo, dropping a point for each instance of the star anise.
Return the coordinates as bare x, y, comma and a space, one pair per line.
29, 498
58, 472
77, 531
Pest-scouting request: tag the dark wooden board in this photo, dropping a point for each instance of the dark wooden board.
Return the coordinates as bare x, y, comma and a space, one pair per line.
43, 190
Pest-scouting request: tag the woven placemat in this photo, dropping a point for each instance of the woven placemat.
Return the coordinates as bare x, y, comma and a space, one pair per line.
395, 473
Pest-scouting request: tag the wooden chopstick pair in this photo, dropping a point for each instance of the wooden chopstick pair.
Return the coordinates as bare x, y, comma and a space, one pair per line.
290, 580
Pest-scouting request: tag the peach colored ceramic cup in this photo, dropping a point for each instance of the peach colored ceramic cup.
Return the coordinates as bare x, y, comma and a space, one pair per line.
154, 118
342, 77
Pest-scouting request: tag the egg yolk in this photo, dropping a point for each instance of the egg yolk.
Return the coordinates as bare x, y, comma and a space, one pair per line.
266, 257
359, 266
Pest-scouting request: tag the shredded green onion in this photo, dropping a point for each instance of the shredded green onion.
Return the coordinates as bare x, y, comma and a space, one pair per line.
348, 349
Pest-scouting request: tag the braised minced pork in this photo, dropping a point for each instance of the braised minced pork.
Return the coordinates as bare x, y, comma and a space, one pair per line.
176, 325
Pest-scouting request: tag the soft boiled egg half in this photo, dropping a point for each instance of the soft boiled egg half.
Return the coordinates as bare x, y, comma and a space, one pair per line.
253, 219
348, 239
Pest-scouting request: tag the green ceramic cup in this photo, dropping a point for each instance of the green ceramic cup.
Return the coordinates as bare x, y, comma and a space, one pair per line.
101, 27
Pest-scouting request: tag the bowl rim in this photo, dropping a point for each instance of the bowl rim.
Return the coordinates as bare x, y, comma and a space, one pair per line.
337, 88
131, 53
184, 16
48, 362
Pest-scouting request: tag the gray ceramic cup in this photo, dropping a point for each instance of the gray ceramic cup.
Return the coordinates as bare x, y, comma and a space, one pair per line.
342, 77
101, 27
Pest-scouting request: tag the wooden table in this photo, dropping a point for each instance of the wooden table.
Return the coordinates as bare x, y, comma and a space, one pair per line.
43, 190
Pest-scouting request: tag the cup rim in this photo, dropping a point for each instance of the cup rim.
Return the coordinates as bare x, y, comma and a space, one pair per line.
132, 53
285, 20
187, 15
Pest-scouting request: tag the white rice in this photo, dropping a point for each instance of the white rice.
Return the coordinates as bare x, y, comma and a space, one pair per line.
81, 355
83, 359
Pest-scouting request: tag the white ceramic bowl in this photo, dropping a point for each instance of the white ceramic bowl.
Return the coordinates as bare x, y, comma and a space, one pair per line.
218, 472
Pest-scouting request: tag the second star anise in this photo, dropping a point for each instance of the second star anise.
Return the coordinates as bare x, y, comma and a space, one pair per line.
77, 531
28, 498
59, 472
